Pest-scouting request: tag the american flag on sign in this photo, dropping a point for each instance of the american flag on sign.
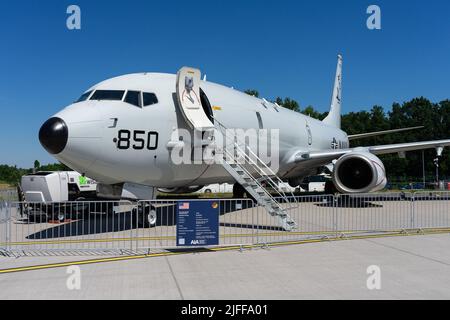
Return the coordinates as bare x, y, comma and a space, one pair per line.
184, 206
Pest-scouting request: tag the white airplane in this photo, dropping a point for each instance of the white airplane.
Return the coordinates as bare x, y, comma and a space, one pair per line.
123, 133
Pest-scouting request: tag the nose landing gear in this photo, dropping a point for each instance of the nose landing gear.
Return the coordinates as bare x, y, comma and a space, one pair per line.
239, 192
145, 216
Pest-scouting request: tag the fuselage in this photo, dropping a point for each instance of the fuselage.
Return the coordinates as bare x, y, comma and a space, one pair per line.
99, 133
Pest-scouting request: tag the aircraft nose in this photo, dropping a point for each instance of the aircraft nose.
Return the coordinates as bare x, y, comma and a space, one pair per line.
53, 135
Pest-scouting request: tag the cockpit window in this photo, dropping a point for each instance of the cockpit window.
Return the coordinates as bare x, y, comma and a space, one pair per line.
149, 98
134, 98
84, 96
108, 95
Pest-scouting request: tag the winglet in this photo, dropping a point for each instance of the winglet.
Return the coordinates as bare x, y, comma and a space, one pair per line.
334, 117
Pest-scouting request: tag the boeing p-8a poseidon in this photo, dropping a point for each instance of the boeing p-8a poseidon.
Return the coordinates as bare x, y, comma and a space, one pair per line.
138, 132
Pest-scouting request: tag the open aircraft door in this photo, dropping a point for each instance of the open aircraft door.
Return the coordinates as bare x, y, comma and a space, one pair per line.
189, 99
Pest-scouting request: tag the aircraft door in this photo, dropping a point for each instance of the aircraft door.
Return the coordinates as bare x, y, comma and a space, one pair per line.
189, 99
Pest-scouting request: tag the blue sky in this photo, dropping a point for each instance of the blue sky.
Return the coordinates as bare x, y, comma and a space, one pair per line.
281, 48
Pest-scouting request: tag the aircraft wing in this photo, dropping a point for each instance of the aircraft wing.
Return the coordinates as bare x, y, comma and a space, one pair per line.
332, 154
380, 133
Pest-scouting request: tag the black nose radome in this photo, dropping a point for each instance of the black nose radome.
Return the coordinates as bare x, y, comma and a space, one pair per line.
53, 135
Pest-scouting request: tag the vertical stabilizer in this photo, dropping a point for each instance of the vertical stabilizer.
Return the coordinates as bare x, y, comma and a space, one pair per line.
334, 117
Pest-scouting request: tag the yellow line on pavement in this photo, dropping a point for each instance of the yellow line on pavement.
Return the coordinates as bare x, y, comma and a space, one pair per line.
267, 234
216, 249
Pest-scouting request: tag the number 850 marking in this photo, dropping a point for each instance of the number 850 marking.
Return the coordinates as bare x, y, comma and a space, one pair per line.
140, 138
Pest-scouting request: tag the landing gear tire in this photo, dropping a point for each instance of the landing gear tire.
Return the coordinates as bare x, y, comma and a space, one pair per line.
54, 213
238, 191
330, 188
146, 218
61, 217
79, 209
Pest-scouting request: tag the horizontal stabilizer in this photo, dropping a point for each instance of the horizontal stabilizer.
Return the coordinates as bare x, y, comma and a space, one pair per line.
380, 133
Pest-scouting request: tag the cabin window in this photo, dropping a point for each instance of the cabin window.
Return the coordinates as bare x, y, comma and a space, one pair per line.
134, 98
115, 95
149, 98
84, 96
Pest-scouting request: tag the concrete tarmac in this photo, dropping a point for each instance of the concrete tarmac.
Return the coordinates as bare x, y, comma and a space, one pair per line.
412, 267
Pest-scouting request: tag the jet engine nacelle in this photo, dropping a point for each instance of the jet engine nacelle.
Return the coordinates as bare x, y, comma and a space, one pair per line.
359, 172
180, 190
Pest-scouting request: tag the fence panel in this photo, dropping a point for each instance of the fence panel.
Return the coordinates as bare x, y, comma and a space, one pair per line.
383, 212
313, 214
237, 221
8, 195
155, 225
4, 219
74, 226
431, 210
108, 227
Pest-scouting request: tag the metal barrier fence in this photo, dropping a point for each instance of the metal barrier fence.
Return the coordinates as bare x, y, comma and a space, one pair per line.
4, 222
8, 195
109, 227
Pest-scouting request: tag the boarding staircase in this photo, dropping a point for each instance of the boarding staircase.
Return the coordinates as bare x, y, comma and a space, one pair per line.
256, 178
238, 159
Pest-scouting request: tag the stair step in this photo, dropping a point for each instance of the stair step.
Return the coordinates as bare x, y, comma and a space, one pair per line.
253, 186
278, 215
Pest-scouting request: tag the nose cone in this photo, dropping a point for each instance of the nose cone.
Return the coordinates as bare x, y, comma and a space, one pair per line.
53, 135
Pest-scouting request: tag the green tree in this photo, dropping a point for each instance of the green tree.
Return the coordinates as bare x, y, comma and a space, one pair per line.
37, 164
252, 92
288, 103
13, 174
311, 112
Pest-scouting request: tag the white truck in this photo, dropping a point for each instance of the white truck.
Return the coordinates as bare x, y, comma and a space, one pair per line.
58, 196
57, 187
51, 194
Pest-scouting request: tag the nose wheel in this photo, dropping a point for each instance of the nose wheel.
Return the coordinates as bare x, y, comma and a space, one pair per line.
61, 217
151, 217
145, 217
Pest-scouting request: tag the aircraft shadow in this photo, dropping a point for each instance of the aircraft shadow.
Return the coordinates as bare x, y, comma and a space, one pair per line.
349, 203
125, 221
250, 226
88, 226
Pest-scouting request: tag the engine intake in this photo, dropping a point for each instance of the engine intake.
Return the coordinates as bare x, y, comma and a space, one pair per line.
359, 172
